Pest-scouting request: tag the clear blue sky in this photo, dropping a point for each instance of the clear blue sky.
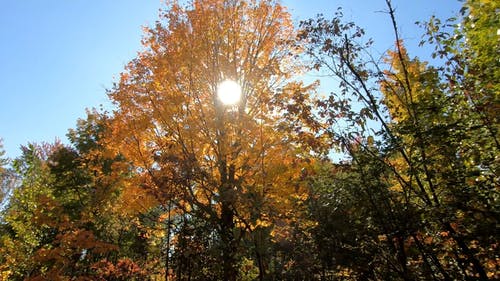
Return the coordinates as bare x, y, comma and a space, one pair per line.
57, 57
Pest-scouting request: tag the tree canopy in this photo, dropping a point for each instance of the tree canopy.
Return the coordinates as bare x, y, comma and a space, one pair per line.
174, 184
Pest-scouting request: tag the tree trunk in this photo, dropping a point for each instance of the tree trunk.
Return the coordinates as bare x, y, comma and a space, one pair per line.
227, 192
228, 248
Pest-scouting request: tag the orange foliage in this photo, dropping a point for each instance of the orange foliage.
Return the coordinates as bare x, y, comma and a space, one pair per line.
183, 144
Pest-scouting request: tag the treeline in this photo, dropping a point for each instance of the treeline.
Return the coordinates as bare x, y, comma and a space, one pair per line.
175, 185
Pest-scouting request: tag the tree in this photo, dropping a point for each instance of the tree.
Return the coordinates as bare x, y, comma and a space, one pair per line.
62, 219
230, 166
424, 126
16, 253
7, 179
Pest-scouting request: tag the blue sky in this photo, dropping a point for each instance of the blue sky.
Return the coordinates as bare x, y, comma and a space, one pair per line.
58, 57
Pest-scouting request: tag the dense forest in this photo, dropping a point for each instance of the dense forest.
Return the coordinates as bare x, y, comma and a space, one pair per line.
174, 184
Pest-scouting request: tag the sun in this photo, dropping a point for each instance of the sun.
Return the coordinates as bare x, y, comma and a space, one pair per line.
229, 92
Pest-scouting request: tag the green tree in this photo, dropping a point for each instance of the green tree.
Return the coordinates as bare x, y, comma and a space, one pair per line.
62, 220
7, 179
437, 147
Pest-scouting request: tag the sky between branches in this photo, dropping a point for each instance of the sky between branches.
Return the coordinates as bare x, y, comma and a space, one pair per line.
58, 57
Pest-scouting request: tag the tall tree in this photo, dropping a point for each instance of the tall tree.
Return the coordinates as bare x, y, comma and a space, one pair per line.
428, 127
230, 166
